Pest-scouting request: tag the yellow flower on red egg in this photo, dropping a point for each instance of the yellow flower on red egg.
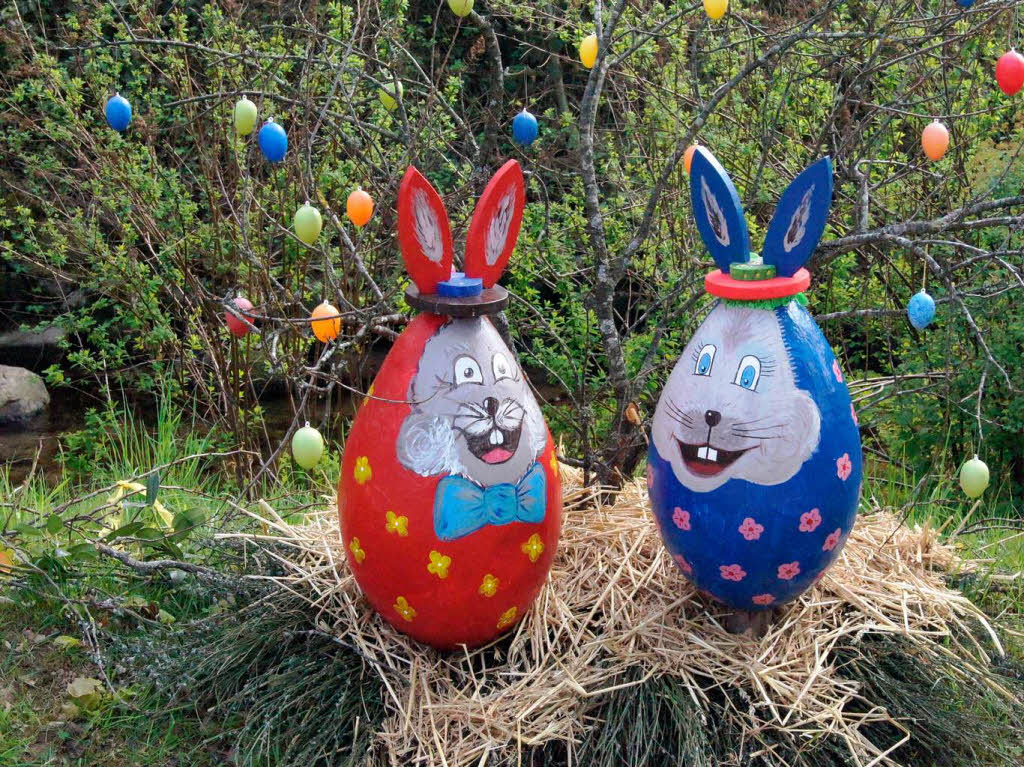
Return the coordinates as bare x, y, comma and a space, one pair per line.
358, 554
362, 471
533, 547
439, 564
403, 608
489, 586
396, 524
508, 617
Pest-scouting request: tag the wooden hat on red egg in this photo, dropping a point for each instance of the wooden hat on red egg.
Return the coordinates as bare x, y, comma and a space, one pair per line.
426, 241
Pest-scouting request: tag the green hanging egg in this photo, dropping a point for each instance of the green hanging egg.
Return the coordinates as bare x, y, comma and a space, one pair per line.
461, 8
307, 447
245, 117
308, 223
974, 477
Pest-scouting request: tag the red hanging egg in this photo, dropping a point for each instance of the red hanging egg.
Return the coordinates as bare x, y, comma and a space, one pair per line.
1010, 72
235, 326
450, 498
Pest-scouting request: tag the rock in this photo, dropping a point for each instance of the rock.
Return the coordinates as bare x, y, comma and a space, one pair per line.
35, 349
22, 394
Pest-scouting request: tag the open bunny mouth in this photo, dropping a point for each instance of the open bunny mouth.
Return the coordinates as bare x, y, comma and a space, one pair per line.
495, 446
707, 461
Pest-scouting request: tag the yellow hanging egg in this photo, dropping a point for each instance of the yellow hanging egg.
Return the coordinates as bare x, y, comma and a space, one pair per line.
245, 117
716, 9
326, 329
308, 223
461, 8
588, 51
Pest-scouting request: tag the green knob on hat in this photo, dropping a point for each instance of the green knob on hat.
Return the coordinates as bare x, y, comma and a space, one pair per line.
751, 271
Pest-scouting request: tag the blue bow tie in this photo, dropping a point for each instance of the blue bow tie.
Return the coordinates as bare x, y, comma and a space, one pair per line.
462, 507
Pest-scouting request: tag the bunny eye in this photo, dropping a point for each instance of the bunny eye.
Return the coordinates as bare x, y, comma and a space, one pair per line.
501, 367
467, 370
705, 359
748, 373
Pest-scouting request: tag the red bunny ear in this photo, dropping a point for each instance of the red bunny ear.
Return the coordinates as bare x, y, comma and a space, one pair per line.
495, 225
423, 232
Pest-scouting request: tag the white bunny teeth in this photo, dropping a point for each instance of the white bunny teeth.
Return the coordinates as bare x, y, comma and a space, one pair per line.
707, 453
496, 437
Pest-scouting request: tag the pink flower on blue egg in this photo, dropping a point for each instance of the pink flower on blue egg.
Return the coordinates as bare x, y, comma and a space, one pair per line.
833, 539
732, 572
681, 518
683, 564
844, 466
762, 599
789, 570
809, 521
836, 371
750, 529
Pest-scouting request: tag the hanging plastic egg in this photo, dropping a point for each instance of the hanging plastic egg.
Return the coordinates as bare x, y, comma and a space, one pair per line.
450, 505
755, 460
588, 51
308, 223
921, 310
974, 477
245, 117
524, 128
1010, 72
118, 112
935, 140
387, 95
307, 447
236, 326
273, 141
716, 9
326, 329
965, 3
688, 157
461, 8
359, 207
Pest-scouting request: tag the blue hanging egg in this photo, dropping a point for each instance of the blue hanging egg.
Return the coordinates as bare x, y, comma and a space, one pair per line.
524, 128
754, 465
273, 141
965, 3
921, 310
118, 112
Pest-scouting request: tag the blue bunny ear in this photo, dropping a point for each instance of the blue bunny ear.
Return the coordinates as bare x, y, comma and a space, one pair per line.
718, 211
799, 219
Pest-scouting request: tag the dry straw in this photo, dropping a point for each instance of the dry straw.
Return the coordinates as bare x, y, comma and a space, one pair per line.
617, 608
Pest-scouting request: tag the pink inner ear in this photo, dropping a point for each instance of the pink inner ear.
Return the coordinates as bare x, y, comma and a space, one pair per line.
424, 234
495, 225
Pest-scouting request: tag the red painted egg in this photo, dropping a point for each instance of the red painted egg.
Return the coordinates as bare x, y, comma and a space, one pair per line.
235, 326
1010, 72
450, 499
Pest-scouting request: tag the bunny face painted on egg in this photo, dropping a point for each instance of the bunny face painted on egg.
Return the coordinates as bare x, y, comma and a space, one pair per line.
731, 408
450, 496
474, 414
754, 464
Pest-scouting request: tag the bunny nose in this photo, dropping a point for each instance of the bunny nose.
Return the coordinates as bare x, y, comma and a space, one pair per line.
712, 417
492, 406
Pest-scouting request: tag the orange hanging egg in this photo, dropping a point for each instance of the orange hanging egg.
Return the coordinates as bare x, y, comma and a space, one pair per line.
688, 156
359, 207
326, 329
935, 140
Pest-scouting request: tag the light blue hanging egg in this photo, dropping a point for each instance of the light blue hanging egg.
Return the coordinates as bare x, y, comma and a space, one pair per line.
273, 141
118, 112
921, 310
524, 128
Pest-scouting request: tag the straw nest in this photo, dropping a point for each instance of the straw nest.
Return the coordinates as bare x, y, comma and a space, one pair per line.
615, 613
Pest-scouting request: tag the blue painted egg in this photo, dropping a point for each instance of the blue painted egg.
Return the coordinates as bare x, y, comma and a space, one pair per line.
755, 459
921, 310
118, 112
524, 128
273, 141
965, 3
